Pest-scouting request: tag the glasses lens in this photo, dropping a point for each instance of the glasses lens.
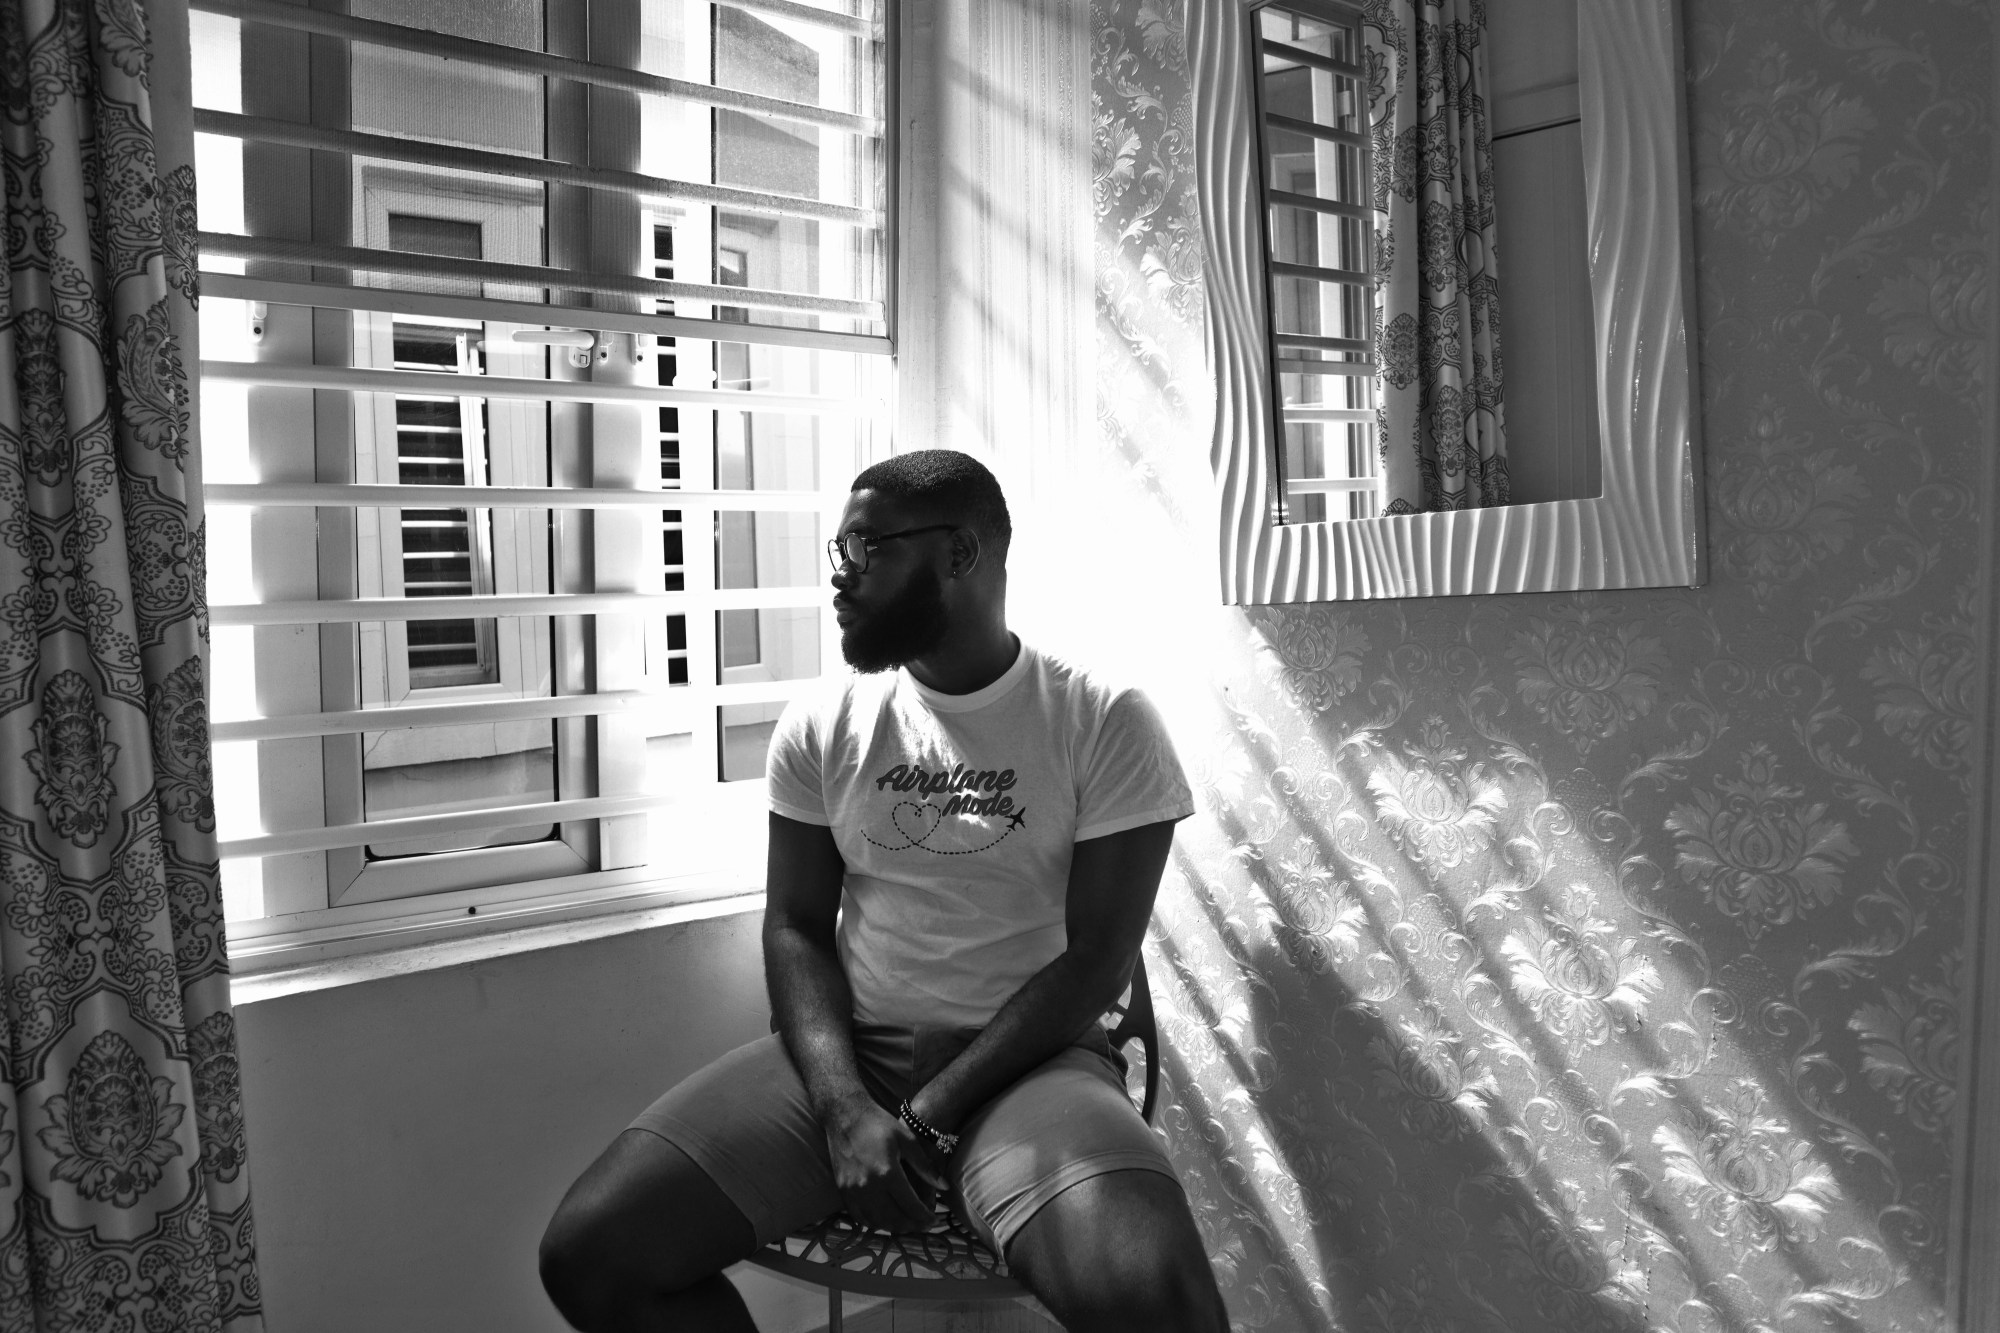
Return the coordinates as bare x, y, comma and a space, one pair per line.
850, 548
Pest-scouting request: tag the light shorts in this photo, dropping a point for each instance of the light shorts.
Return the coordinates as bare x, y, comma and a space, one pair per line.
746, 1122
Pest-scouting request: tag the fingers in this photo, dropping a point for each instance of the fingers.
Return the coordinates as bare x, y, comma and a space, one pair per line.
886, 1175
889, 1203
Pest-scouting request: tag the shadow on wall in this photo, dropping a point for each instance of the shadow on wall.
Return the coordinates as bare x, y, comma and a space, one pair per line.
1592, 961
1431, 1002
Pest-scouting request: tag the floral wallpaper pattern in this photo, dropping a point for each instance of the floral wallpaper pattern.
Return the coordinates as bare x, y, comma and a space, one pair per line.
1593, 961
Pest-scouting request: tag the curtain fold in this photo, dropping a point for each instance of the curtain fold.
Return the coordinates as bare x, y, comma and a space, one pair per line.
1443, 437
124, 1195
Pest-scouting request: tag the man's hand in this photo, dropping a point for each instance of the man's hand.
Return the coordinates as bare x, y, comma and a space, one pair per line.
884, 1172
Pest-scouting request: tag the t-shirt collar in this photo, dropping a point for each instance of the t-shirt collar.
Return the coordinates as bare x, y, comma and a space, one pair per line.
966, 703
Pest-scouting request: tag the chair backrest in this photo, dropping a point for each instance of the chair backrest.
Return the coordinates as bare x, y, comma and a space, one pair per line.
1135, 1023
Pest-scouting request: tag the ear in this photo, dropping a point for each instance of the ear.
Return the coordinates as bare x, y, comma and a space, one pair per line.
965, 552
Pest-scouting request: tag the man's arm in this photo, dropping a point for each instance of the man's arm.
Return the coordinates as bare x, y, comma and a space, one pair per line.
1112, 883
814, 1012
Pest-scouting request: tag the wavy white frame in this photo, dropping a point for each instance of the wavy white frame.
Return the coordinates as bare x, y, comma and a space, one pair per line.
1645, 530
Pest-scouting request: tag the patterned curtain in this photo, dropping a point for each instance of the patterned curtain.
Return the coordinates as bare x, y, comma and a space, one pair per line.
124, 1200
1437, 305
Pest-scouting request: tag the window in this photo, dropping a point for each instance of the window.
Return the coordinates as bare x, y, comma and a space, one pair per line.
540, 341
1318, 252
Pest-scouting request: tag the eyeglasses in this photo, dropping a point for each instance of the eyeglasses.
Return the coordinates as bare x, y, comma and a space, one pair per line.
853, 548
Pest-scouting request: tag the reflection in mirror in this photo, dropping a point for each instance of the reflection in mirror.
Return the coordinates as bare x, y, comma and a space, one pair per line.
1550, 387
1319, 250
1593, 482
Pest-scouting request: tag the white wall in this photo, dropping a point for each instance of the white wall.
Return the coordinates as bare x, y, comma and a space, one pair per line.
410, 1136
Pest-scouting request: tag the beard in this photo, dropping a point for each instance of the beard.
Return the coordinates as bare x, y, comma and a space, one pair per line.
906, 627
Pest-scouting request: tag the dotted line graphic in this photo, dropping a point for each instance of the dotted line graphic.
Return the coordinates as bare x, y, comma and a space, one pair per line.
1016, 817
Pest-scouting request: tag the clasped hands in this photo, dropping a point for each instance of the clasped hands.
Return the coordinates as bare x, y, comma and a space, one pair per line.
888, 1177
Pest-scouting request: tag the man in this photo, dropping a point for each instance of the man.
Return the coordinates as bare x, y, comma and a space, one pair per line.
966, 838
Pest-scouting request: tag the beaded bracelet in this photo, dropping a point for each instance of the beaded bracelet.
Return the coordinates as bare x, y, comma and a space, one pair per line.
937, 1138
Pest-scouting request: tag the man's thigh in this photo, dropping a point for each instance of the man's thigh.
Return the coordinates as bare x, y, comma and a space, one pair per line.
746, 1122
1067, 1122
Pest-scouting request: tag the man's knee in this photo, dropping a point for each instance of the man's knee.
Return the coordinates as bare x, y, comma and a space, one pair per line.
1120, 1251
585, 1275
641, 1225
566, 1270
1154, 1290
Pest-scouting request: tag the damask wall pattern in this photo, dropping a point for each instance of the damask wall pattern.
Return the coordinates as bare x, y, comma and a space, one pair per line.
1594, 961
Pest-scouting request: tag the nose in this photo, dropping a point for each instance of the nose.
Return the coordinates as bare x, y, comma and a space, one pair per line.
843, 577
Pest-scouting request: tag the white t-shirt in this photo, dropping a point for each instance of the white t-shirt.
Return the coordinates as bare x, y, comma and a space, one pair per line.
956, 815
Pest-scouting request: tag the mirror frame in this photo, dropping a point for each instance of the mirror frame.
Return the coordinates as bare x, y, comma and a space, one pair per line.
1645, 530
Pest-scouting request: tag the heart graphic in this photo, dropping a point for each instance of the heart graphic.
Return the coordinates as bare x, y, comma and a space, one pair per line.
918, 823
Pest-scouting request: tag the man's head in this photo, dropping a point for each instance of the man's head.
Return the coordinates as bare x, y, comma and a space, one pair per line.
947, 568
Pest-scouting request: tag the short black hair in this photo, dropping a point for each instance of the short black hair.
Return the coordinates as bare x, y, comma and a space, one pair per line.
946, 483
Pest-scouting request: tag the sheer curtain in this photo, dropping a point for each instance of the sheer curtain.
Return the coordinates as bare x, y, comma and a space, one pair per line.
1437, 314
124, 1199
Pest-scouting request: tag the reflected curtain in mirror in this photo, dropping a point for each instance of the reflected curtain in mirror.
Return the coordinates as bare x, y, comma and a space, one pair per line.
124, 1197
1438, 325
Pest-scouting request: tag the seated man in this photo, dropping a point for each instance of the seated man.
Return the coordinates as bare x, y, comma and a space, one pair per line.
966, 839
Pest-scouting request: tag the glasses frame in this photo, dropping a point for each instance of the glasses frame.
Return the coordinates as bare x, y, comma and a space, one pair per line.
839, 556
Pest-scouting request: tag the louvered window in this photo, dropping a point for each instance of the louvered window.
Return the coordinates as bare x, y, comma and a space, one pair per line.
540, 339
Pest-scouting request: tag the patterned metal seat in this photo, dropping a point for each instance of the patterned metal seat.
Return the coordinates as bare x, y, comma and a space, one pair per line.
947, 1260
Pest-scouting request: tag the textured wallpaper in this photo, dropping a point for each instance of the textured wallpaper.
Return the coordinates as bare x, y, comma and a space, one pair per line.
1592, 962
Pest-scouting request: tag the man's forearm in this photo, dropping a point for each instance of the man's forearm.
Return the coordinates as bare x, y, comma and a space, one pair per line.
1048, 1013
814, 1009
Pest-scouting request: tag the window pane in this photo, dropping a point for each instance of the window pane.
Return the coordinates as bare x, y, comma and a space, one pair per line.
1302, 164
1320, 309
1302, 236
1346, 392
446, 769
746, 738
1337, 40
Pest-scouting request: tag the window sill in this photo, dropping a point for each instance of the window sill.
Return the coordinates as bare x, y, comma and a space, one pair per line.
320, 957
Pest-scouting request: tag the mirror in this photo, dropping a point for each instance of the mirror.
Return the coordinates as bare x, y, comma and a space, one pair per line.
1631, 516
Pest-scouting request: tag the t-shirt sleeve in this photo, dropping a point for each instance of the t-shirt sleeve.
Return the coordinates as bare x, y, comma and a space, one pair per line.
792, 767
1132, 775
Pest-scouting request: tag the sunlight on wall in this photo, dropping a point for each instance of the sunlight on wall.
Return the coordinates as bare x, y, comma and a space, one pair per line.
1579, 962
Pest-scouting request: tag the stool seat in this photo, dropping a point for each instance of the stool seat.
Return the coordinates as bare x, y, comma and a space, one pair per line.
840, 1253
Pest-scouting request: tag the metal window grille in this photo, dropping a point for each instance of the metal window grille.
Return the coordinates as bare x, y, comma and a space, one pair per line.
653, 238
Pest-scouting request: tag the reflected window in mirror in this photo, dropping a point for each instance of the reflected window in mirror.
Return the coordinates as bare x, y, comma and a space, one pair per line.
1319, 243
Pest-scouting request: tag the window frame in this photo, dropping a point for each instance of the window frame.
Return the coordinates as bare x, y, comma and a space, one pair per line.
1645, 529
535, 888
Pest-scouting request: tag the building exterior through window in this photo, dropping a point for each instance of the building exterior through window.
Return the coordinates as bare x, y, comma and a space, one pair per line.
540, 343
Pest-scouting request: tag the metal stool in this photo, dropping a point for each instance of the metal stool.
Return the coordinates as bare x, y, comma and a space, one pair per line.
945, 1261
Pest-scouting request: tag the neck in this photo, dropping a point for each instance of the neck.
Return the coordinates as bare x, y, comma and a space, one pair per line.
968, 661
